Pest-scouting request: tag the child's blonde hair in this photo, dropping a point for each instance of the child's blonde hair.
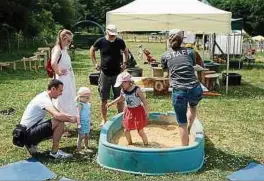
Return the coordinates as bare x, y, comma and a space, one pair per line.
82, 91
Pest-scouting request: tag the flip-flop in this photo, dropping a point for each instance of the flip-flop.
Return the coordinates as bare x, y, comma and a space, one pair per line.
87, 150
102, 124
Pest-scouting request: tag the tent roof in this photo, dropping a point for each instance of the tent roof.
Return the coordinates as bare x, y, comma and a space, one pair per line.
160, 15
258, 38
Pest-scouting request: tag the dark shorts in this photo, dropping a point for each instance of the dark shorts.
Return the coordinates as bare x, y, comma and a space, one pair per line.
105, 83
39, 132
181, 99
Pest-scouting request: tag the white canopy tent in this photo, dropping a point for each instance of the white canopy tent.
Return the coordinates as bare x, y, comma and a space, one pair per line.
164, 15
160, 15
258, 38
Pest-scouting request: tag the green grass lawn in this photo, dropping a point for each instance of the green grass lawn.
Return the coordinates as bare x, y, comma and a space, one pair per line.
233, 123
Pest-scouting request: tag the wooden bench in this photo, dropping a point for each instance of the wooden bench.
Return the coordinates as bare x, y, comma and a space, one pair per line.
46, 50
3, 64
42, 56
34, 59
13, 64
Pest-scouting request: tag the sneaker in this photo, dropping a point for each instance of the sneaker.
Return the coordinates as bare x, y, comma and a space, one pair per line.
60, 155
32, 149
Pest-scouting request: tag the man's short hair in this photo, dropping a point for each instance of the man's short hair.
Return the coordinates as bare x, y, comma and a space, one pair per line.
54, 83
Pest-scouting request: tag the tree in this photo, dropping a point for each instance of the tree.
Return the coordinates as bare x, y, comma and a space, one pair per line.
96, 9
250, 10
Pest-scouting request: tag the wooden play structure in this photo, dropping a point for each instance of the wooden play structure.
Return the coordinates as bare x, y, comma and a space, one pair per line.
35, 62
159, 85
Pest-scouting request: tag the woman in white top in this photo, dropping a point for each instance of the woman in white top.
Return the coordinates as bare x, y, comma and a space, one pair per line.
61, 64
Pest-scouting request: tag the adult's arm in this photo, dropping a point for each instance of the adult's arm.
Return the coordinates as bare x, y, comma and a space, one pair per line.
198, 59
164, 66
93, 57
125, 58
125, 55
55, 56
60, 116
117, 100
96, 46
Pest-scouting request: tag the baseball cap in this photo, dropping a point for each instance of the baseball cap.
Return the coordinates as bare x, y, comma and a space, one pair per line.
111, 29
176, 32
124, 76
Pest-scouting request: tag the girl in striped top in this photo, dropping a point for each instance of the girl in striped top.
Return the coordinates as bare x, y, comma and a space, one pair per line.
136, 109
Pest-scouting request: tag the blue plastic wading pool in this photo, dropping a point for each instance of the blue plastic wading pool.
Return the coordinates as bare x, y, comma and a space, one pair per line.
150, 161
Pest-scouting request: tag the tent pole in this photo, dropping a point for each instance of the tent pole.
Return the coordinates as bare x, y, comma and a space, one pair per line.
234, 45
203, 45
241, 43
227, 62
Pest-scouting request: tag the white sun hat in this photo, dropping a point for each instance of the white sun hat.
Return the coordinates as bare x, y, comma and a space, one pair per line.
124, 76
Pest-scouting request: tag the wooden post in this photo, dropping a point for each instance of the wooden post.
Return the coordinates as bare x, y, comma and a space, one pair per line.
157, 72
36, 64
14, 65
24, 61
204, 73
39, 62
211, 81
30, 64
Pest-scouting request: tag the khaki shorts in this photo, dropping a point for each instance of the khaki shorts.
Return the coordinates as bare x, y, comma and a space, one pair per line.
105, 83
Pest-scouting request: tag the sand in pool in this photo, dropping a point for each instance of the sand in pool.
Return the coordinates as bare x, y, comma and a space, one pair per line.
159, 136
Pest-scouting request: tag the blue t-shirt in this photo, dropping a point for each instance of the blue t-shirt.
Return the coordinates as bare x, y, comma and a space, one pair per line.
85, 117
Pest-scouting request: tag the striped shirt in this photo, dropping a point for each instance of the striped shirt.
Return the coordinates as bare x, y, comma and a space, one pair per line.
131, 97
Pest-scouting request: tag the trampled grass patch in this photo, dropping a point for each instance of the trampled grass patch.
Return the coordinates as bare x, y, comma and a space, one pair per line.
233, 123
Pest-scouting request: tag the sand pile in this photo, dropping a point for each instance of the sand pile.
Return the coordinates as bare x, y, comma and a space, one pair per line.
159, 136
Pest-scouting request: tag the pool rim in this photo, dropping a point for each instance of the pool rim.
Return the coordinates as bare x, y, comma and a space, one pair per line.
199, 137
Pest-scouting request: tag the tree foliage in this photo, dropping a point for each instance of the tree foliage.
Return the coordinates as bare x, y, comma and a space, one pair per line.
44, 17
250, 10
